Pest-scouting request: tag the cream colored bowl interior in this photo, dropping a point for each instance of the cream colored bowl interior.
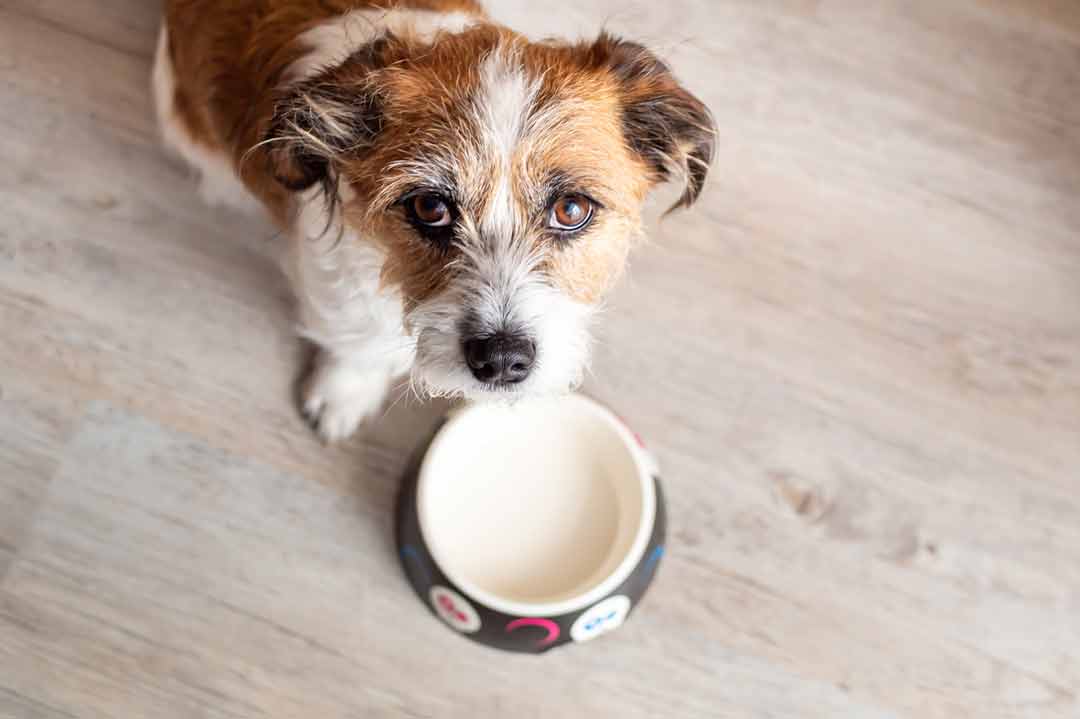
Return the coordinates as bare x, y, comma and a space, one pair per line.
537, 508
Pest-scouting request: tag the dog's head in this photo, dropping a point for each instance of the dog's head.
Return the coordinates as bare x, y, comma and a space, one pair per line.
504, 179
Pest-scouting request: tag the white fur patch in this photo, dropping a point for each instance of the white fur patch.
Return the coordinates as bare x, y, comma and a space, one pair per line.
343, 309
218, 183
333, 41
336, 277
339, 395
503, 105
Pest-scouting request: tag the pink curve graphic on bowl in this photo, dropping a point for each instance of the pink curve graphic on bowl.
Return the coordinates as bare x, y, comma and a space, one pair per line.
551, 627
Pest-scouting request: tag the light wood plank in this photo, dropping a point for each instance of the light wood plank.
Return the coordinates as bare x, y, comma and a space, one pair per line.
34, 427
128, 26
14, 705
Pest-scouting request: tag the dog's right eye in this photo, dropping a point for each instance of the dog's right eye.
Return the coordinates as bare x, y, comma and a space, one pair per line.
430, 210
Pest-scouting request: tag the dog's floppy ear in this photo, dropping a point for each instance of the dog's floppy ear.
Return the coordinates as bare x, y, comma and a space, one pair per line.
318, 120
313, 125
669, 128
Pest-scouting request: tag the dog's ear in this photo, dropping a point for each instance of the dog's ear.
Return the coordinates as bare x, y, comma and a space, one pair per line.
313, 125
317, 121
669, 128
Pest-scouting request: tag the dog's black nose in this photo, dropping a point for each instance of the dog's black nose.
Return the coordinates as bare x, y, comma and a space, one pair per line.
501, 358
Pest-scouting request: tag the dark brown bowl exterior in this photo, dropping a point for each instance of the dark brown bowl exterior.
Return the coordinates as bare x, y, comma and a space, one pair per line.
530, 635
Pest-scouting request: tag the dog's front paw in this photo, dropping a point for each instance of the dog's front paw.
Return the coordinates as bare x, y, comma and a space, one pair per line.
336, 396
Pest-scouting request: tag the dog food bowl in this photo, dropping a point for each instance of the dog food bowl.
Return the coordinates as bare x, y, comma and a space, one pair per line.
531, 526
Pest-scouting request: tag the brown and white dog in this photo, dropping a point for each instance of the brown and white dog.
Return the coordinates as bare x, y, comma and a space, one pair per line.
458, 198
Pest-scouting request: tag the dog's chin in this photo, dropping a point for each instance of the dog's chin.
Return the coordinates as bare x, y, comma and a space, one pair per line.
441, 372
498, 395
460, 385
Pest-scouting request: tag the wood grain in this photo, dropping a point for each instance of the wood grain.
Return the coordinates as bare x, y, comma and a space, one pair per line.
857, 359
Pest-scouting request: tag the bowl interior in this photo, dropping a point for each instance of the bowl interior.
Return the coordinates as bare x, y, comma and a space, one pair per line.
535, 507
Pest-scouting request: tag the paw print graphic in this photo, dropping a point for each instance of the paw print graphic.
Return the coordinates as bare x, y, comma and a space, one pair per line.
601, 618
450, 608
454, 609
595, 624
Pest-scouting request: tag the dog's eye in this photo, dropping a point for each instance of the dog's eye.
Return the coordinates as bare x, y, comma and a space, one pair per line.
430, 209
571, 213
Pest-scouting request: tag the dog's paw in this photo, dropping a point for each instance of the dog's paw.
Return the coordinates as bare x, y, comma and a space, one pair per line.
337, 397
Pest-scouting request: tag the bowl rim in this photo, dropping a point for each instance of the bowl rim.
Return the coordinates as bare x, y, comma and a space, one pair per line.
645, 524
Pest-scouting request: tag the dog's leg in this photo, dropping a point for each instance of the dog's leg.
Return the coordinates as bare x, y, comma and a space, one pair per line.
340, 391
361, 352
355, 323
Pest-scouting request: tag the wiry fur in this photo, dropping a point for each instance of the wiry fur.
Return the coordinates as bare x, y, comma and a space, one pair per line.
330, 112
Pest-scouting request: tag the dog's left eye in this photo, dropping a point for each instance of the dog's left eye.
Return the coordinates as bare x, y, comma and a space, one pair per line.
430, 209
571, 213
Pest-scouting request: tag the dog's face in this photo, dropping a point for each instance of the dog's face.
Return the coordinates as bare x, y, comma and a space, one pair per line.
505, 182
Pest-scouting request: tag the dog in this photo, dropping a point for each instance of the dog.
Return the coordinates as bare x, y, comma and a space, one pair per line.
457, 197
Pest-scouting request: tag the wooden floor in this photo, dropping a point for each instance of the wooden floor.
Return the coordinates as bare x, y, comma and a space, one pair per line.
858, 359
